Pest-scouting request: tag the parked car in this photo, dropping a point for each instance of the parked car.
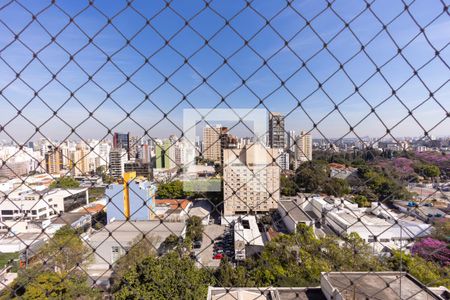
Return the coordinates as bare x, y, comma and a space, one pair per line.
197, 244
218, 256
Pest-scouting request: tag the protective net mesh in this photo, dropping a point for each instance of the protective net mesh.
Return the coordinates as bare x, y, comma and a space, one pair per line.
267, 149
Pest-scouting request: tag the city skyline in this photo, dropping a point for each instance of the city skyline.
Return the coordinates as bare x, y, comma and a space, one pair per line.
155, 104
206, 149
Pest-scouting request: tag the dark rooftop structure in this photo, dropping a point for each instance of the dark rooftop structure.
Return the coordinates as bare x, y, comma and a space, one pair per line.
294, 211
69, 218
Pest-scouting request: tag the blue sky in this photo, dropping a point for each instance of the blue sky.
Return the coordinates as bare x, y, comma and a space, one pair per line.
243, 62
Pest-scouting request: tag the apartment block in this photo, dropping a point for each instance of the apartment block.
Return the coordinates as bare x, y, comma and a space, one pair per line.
303, 147
276, 130
251, 180
212, 143
53, 160
117, 159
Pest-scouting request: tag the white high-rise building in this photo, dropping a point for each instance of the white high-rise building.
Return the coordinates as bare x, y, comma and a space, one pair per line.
290, 139
282, 159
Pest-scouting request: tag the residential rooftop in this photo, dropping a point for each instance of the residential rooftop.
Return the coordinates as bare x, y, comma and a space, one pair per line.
374, 285
265, 293
293, 210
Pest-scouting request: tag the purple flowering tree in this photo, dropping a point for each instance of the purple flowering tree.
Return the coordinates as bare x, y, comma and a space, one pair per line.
432, 249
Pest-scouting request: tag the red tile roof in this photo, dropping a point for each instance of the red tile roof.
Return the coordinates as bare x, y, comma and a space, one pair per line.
174, 203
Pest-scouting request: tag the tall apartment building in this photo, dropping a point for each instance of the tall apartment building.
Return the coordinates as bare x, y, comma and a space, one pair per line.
276, 130
303, 147
282, 159
117, 159
78, 162
251, 180
103, 152
145, 154
135, 144
290, 139
122, 141
53, 160
212, 143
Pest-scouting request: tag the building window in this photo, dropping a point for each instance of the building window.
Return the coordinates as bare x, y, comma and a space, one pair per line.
7, 212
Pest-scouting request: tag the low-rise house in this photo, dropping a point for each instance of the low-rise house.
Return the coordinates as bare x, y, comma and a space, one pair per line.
113, 240
10, 243
201, 209
39, 205
247, 237
341, 171
76, 220
264, 293
377, 225
423, 211
172, 210
292, 214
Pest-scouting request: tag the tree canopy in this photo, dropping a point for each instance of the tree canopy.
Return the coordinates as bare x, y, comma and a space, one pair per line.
65, 182
166, 277
194, 228
172, 190
298, 260
57, 272
425, 271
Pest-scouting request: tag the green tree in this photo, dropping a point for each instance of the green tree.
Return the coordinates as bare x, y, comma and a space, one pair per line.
172, 190
65, 182
298, 260
57, 272
336, 187
142, 247
427, 170
166, 277
311, 176
381, 184
228, 276
64, 251
361, 200
441, 231
428, 272
170, 242
287, 186
194, 228
51, 285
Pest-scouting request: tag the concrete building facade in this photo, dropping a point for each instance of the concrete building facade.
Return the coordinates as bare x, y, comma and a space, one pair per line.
303, 147
251, 180
276, 130
212, 143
